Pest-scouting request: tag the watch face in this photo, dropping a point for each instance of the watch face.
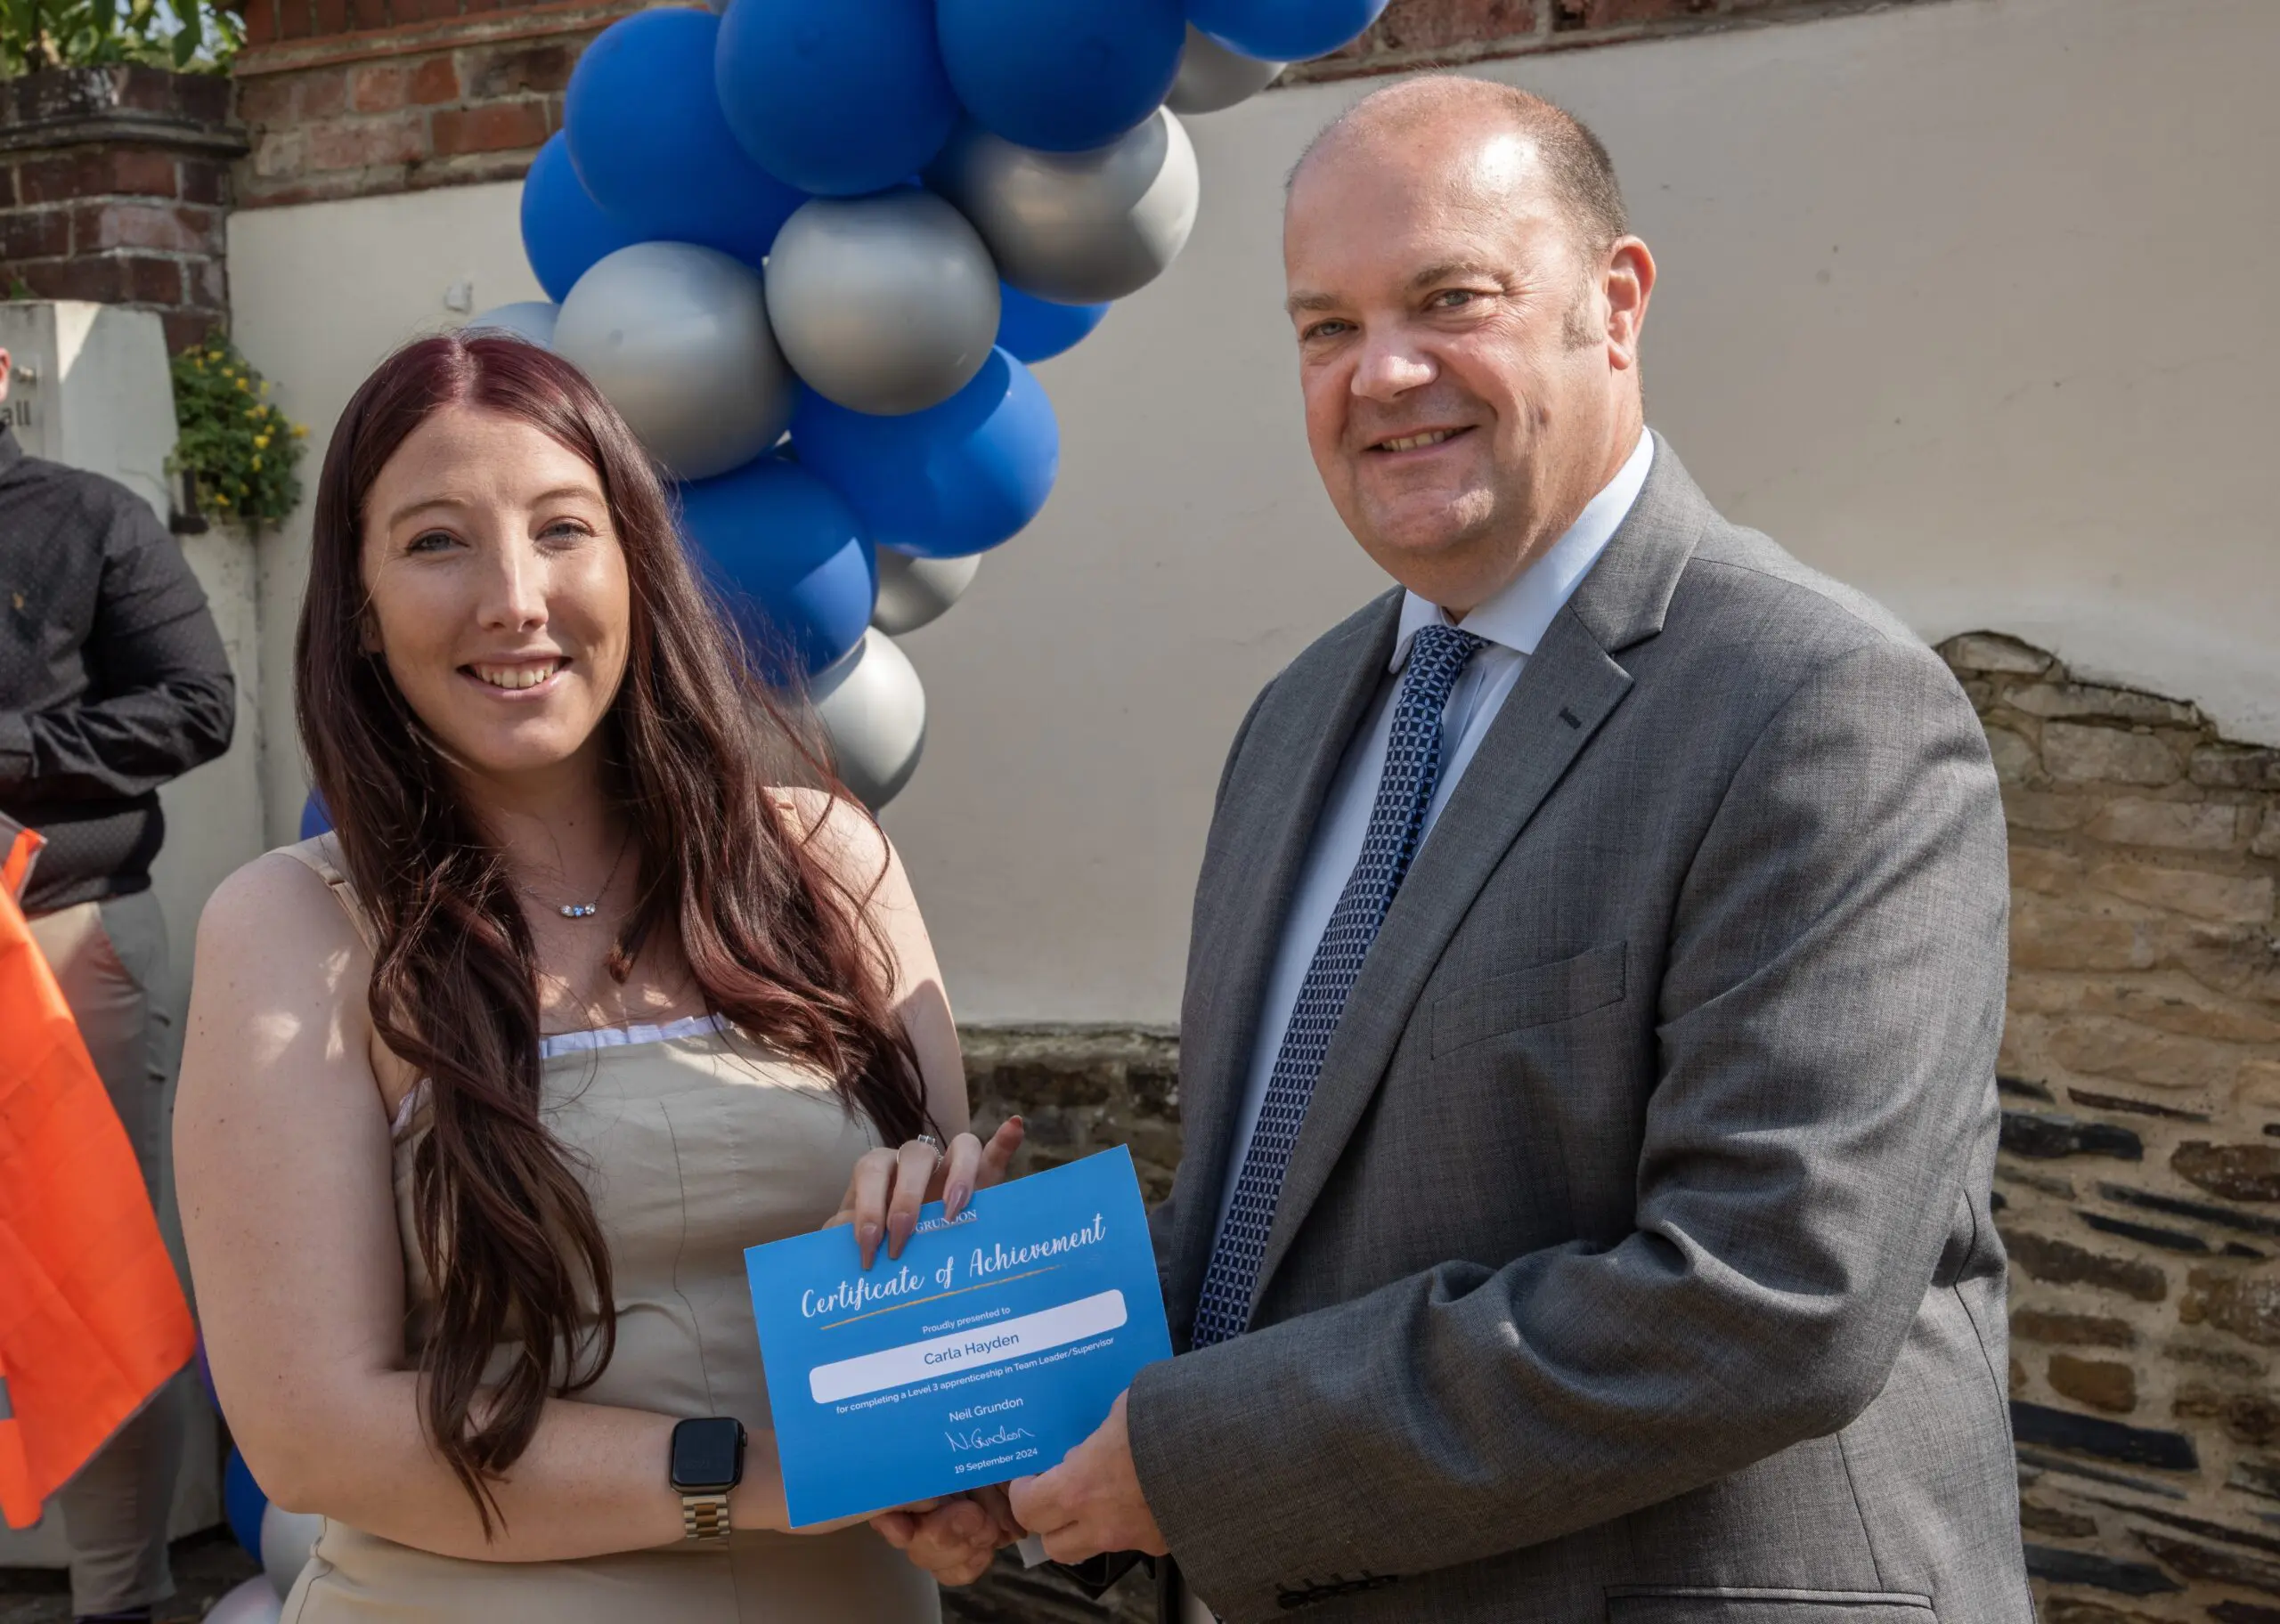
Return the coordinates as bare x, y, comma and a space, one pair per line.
708, 1455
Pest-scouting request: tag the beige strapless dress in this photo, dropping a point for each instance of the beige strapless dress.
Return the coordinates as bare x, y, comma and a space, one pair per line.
695, 1144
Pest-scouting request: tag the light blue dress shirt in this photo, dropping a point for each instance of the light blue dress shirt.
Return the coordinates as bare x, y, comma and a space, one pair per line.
1512, 622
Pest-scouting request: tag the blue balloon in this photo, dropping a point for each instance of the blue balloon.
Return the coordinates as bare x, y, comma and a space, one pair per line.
837, 97
316, 819
791, 558
564, 230
1031, 329
954, 479
650, 144
1284, 30
243, 1502
1065, 76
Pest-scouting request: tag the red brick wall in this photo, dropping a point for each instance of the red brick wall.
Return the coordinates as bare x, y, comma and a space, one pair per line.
114, 186
352, 98
1425, 33
268, 21
410, 103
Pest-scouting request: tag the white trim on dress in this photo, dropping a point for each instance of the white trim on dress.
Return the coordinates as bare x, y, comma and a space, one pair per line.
555, 1045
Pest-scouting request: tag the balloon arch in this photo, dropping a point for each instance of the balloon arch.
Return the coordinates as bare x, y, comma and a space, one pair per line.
808, 249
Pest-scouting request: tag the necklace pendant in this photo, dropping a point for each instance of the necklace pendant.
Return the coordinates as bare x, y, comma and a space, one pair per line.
579, 910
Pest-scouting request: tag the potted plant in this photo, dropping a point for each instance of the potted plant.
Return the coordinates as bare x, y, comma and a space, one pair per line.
236, 454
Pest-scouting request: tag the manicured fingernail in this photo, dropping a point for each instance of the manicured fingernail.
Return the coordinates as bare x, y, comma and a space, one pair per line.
954, 1200
898, 1229
867, 1238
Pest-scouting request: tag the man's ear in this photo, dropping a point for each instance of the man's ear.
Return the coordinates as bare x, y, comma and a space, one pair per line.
7, 365
1630, 283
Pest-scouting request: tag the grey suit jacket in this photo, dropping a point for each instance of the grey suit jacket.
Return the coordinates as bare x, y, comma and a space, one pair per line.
1635, 1260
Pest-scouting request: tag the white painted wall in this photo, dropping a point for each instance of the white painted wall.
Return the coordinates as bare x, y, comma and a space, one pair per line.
1965, 303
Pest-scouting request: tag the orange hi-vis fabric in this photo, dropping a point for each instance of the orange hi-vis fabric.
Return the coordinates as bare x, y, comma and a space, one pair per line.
16, 862
91, 1318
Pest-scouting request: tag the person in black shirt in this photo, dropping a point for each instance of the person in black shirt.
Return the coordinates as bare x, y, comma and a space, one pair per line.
112, 681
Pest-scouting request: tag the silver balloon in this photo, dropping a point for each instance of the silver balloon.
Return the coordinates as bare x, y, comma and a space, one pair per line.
253, 1601
874, 711
286, 1540
1212, 77
529, 320
676, 338
913, 591
1076, 227
885, 304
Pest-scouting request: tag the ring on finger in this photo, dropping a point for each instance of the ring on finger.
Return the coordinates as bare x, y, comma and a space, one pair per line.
932, 1143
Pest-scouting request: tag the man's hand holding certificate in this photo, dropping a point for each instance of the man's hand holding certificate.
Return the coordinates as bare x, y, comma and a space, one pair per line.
995, 1343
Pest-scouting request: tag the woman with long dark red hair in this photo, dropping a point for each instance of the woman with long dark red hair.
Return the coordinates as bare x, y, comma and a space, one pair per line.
484, 1094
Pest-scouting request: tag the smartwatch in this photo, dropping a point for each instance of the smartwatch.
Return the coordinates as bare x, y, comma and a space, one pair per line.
707, 1461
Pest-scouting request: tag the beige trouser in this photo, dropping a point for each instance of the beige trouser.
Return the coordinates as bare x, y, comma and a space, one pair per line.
110, 958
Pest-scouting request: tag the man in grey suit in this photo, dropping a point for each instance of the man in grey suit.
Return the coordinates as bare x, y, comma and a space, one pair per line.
1588, 1054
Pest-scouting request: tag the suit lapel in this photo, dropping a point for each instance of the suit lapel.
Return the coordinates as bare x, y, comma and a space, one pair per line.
1572, 684
1263, 830
1569, 687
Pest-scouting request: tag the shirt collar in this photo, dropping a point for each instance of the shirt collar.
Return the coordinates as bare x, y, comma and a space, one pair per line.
1518, 617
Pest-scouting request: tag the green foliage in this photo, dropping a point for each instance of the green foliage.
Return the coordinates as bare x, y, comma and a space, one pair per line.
240, 447
188, 36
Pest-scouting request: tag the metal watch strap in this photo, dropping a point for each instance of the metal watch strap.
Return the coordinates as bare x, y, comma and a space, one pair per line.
704, 1516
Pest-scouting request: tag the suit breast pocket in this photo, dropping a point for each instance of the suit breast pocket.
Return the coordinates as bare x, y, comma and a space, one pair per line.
1535, 996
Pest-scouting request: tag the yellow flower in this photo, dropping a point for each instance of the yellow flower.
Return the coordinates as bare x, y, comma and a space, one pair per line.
260, 444
222, 499
300, 432
200, 365
241, 382
253, 411
265, 385
257, 463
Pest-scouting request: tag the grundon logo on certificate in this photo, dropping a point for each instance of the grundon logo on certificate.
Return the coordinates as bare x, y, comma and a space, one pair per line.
994, 1345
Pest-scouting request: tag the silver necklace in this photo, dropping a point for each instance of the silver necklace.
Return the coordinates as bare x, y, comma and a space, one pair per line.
587, 910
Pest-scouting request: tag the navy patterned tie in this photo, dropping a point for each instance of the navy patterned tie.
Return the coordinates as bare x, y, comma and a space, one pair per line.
1397, 822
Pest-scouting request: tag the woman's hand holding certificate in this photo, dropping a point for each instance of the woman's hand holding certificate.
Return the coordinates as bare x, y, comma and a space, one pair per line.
888, 1187
990, 1343
884, 1192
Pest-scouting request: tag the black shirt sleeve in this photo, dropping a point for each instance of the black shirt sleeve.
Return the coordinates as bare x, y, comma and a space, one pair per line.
162, 700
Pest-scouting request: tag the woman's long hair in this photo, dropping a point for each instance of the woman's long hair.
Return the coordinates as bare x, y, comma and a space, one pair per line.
780, 944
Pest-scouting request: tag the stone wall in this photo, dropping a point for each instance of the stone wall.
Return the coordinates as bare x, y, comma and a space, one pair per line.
114, 187
2139, 1184
2140, 1176
1078, 1090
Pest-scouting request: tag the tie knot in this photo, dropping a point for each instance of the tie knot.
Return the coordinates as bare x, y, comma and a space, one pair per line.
1437, 654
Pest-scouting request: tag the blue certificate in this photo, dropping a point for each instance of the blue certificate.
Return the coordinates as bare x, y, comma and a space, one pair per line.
995, 1343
